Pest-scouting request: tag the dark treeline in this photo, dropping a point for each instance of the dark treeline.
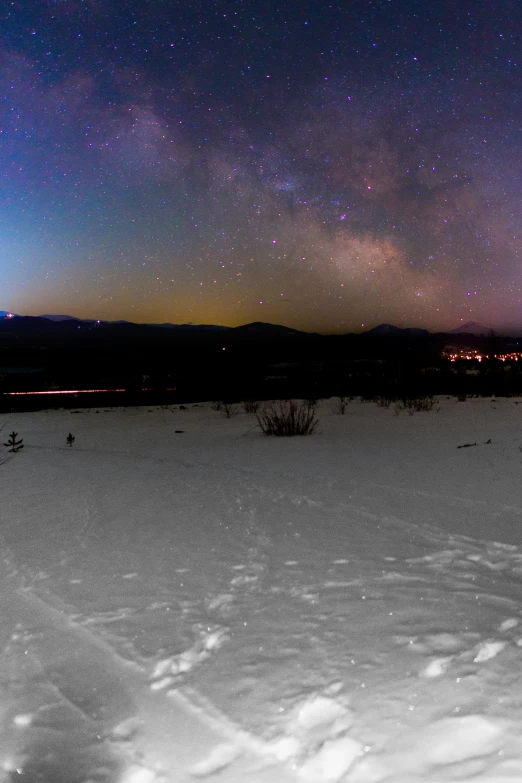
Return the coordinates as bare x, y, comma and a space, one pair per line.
165, 365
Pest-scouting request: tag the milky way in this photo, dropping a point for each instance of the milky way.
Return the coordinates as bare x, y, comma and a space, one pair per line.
318, 165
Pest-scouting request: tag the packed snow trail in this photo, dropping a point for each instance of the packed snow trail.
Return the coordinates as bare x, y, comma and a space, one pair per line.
73, 711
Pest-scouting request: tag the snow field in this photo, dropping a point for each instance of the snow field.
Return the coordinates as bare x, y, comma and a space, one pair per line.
348, 604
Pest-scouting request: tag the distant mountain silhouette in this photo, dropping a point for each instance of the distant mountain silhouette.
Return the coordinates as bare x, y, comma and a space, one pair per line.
188, 327
267, 330
384, 330
472, 327
257, 329
60, 317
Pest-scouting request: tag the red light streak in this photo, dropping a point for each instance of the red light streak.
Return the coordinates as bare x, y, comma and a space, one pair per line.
78, 391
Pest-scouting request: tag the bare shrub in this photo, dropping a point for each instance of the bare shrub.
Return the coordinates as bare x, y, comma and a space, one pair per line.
425, 403
229, 410
250, 406
417, 404
341, 403
287, 418
217, 405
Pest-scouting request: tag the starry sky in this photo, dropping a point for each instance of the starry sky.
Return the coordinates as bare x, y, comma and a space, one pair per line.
326, 166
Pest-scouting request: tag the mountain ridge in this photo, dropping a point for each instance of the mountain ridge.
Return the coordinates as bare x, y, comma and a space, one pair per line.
473, 327
259, 328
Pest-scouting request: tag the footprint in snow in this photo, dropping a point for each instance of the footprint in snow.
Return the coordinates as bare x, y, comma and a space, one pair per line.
456, 648
482, 652
168, 672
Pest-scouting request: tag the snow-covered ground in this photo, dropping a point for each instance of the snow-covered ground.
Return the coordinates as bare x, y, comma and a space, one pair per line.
217, 604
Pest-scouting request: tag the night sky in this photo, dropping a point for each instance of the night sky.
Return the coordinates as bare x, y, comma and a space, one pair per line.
323, 166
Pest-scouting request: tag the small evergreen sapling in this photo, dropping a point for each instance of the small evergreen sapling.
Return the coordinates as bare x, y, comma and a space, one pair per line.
12, 444
70, 439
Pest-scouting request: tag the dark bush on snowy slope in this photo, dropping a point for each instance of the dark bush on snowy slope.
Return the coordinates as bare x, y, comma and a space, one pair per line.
287, 418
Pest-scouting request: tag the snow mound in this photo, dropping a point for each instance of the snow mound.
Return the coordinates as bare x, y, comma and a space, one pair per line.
455, 748
452, 740
138, 774
315, 742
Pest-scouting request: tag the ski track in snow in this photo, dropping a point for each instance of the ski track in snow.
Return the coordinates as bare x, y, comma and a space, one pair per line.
396, 663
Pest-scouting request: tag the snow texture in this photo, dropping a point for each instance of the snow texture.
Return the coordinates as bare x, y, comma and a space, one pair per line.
342, 608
